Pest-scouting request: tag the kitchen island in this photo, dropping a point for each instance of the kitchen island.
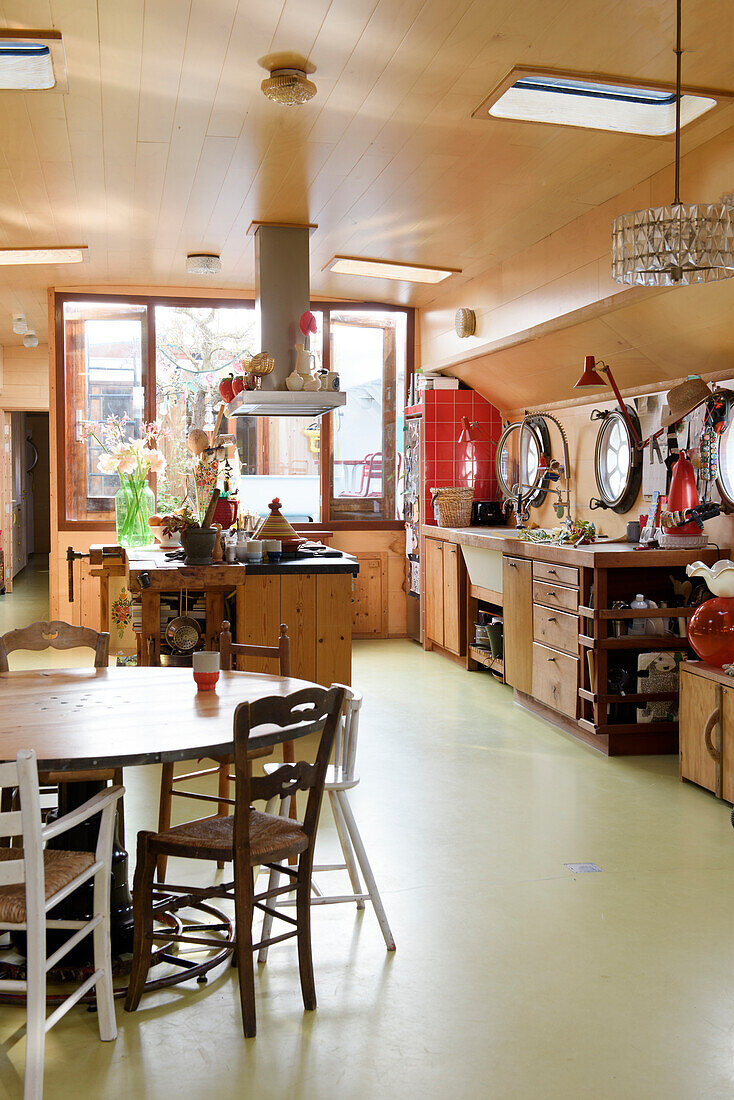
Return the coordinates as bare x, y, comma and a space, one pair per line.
312, 596
568, 652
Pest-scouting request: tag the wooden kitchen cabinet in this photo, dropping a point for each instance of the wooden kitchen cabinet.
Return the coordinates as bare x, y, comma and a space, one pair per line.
445, 596
517, 590
706, 728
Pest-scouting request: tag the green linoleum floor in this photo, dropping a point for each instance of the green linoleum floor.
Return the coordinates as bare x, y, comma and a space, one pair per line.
513, 978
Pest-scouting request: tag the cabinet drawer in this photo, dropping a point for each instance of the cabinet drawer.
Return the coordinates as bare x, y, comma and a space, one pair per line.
555, 679
556, 628
555, 595
561, 574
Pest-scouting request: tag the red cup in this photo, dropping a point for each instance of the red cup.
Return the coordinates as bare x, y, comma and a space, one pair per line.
206, 681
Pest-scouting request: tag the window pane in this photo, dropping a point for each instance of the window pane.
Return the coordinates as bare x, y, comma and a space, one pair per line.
368, 350
105, 349
195, 348
280, 458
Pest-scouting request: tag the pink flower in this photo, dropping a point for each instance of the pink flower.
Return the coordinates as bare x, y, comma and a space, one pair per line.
126, 461
157, 462
107, 464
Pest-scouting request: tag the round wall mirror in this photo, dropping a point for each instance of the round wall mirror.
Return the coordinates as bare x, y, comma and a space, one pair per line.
725, 480
518, 461
617, 462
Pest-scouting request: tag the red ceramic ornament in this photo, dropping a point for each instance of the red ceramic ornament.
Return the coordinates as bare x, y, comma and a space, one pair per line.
683, 495
711, 631
307, 323
238, 384
225, 389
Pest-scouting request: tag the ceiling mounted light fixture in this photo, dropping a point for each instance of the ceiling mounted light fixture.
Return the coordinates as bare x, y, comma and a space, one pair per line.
288, 87
203, 263
20, 325
389, 269
72, 255
676, 244
30, 340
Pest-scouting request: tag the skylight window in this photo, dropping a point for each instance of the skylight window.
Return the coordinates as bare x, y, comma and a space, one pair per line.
605, 104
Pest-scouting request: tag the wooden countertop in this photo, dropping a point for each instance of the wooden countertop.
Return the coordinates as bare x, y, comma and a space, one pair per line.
607, 555
162, 572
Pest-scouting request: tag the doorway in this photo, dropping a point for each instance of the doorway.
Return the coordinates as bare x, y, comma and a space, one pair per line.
27, 544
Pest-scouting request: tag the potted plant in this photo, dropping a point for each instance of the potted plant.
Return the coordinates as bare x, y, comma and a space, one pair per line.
133, 460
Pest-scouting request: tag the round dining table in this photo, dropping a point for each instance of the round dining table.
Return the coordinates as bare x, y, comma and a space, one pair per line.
82, 719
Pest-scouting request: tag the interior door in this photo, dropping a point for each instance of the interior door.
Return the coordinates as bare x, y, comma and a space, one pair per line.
19, 499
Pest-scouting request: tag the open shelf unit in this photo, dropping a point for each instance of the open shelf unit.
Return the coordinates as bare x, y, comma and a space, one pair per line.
608, 714
482, 599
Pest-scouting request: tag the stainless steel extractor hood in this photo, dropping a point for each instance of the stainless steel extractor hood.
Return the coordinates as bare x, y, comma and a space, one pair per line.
283, 296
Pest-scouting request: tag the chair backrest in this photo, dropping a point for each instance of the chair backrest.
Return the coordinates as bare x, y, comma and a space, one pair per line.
55, 635
25, 823
297, 714
228, 649
345, 742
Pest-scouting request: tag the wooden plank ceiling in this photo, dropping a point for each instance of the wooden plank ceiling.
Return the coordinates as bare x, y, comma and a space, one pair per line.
165, 145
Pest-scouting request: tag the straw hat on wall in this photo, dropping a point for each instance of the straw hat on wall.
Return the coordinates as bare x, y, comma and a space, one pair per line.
683, 399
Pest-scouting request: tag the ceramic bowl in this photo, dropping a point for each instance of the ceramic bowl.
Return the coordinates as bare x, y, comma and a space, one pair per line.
718, 577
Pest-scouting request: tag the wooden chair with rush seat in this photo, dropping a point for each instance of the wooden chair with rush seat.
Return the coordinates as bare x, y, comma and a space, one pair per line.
59, 635
231, 654
249, 839
32, 881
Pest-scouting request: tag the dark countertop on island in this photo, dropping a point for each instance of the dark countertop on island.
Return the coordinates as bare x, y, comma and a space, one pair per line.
344, 563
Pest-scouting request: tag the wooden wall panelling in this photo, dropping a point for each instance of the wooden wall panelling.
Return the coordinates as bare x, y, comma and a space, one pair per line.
369, 618
333, 628
262, 621
298, 610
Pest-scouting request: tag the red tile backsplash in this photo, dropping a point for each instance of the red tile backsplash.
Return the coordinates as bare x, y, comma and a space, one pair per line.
448, 462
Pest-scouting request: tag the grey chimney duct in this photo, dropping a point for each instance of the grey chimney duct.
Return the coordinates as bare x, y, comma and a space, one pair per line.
282, 287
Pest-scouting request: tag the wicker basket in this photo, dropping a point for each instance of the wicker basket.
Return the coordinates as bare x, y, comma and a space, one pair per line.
452, 506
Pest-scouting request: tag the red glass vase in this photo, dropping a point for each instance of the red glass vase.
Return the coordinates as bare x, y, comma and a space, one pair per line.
711, 631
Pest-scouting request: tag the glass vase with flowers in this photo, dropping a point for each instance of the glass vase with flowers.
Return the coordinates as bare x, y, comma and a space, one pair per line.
133, 460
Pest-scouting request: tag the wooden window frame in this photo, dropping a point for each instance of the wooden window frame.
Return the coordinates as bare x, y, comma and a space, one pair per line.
150, 301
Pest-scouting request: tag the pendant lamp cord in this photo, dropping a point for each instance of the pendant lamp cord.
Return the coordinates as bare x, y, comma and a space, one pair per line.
678, 52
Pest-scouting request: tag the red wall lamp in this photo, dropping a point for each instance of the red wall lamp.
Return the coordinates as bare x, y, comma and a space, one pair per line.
592, 378
472, 433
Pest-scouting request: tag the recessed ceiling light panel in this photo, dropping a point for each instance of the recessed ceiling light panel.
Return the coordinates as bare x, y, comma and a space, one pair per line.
72, 255
601, 103
389, 269
32, 60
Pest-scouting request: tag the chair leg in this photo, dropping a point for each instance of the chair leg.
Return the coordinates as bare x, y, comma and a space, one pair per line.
346, 846
164, 815
117, 781
273, 884
104, 991
243, 911
303, 915
35, 1012
143, 922
366, 869
222, 807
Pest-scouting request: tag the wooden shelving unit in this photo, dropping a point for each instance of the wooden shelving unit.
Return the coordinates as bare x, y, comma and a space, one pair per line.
482, 599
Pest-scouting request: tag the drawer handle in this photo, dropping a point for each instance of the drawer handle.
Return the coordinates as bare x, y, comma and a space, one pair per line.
554, 572
552, 619
512, 565
554, 595
550, 658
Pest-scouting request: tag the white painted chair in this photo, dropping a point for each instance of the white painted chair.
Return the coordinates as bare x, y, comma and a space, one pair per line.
341, 777
32, 881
